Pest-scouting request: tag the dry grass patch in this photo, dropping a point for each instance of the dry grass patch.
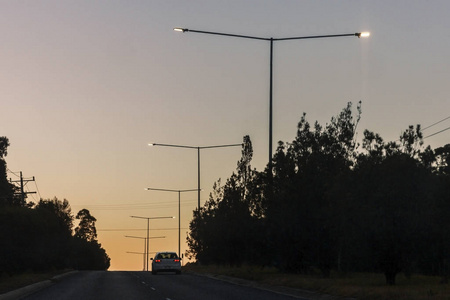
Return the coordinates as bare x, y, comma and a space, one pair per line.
361, 286
10, 283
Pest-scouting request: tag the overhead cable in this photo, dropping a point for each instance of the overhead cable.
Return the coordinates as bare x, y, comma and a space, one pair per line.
437, 132
436, 123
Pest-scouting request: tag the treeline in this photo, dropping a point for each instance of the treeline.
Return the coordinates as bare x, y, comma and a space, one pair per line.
41, 236
331, 203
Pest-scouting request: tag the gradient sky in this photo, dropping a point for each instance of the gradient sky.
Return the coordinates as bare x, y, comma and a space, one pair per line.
86, 85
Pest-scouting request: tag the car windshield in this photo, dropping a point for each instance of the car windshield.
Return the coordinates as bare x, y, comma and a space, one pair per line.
167, 256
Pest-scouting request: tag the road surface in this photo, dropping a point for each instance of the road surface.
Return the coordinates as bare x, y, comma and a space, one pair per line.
142, 285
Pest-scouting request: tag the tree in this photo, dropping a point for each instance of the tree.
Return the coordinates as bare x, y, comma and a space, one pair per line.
330, 205
4, 144
394, 197
20, 232
436, 260
6, 188
310, 183
57, 216
87, 253
40, 238
86, 228
443, 160
61, 210
224, 229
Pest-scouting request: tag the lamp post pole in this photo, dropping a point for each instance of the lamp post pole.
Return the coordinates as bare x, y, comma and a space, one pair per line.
145, 243
198, 158
179, 209
272, 40
148, 230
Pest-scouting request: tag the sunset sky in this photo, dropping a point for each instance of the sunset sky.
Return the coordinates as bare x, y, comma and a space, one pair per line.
86, 85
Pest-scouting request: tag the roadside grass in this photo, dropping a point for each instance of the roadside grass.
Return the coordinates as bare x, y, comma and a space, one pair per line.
10, 283
360, 286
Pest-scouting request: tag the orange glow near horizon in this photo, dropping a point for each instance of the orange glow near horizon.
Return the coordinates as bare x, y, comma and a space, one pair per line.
87, 84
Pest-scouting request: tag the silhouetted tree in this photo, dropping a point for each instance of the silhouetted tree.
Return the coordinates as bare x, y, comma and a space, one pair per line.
87, 253
86, 228
6, 188
40, 237
4, 144
223, 230
36, 238
437, 259
309, 189
443, 160
394, 201
19, 231
57, 217
330, 205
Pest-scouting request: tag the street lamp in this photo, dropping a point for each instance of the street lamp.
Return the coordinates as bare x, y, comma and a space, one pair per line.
179, 209
198, 158
145, 243
271, 40
148, 229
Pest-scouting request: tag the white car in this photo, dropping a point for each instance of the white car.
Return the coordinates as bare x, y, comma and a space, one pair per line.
166, 262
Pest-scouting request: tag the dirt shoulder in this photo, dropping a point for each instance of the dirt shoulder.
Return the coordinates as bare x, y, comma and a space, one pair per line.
370, 286
11, 283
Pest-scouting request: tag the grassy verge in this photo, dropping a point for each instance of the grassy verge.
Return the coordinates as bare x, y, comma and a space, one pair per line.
10, 283
355, 285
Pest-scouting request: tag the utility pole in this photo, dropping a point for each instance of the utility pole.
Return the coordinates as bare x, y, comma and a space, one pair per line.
22, 182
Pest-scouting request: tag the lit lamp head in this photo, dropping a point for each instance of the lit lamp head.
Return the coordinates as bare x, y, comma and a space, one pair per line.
362, 34
181, 29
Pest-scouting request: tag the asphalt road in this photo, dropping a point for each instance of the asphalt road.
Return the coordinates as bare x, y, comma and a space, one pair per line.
142, 285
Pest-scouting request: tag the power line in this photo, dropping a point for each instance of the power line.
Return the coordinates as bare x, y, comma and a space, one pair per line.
135, 204
437, 132
137, 229
93, 208
436, 123
14, 173
19, 175
37, 189
30, 192
131, 206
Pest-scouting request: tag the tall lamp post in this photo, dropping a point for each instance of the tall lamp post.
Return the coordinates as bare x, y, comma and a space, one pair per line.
179, 209
271, 41
198, 158
148, 230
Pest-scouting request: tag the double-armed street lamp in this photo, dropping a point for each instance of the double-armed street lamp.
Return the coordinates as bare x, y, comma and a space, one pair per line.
145, 244
271, 41
179, 209
148, 230
198, 158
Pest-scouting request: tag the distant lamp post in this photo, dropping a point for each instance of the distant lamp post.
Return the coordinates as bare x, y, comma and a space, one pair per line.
271, 40
145, 244
179, 209
148, 230
198, 158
